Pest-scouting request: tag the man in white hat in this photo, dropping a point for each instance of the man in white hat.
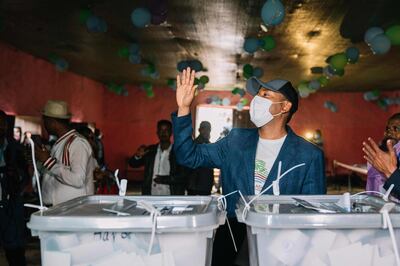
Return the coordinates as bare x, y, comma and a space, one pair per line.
70, 164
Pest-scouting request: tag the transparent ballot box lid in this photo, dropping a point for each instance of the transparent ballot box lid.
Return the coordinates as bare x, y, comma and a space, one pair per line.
114, 213
313, 212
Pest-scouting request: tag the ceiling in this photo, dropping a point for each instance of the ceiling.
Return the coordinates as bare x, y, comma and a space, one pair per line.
212, 31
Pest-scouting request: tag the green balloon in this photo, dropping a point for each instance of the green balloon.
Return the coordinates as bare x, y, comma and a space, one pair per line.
268, 43
247, 68
53, 58
151, 68
119, 89
150, 93
147, 86
171, 82
84, 14
196, 81
244, 101
339, 72
393, 33
303, 86
338, 61
323, 81
204, 79
235, 91
123, 52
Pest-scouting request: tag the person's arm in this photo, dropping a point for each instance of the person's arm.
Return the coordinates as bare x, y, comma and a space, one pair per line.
393, 179
315, 180
75, 174
137, 159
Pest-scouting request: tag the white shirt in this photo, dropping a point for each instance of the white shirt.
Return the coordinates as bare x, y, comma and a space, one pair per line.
69, 170
161, 167
267, 152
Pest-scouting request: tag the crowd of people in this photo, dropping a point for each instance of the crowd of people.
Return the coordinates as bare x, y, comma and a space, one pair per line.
71, 162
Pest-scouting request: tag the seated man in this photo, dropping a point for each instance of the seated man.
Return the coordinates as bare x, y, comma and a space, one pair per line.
249, 158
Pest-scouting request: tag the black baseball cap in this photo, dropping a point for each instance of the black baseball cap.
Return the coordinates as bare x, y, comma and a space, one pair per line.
282, 86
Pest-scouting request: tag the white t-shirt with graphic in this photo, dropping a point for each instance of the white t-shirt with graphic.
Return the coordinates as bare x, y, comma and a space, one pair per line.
267, 152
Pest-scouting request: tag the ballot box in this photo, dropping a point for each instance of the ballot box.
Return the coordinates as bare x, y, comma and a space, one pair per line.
320, 230
140, 231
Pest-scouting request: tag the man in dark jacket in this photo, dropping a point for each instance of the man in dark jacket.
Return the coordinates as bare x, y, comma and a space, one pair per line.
162, 175
13, 174
201, 179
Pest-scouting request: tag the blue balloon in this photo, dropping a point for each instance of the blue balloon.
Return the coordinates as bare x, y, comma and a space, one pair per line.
93, 24
155, 75
251, 45
258, 72
135, 58
314, 85
61, 64
141, 17
273, 12
352, 54
182, 65
242, 92
196, 65
380, 44
226, 102
331, 106
372, 33
134, 48
239, 106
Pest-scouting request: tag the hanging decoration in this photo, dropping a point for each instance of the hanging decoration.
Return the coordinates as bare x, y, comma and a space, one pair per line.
148, 88
60, 63
140, 17
273, 12
93, 23
331, 106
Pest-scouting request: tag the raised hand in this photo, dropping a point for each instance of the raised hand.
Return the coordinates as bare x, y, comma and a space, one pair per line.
185, 90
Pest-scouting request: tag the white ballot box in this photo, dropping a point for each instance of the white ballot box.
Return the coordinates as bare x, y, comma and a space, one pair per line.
113, 230
319, 231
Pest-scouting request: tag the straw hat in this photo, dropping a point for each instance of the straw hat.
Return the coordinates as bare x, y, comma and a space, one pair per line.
56, 109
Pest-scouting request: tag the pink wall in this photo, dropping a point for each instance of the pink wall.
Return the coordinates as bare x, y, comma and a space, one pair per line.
26, 83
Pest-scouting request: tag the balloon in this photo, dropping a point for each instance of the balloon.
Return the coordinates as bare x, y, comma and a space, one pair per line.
328, 71
182, 65
352, 54
268, 43
118, 89
339, 72
171, 83
140, 17
380, 44
195, 65
371, 95
331, 106
382, 104
251, 45
244, 101
135, 58
247, 71
273, 12
235, 91
204, 79
196, 81
93, 24
147, 86
61, 64
338, 61
208, 101
316, 70
239, 106
134, 49
372, 33
258, 72
151, 68
226, 101
393, 33
200, 86
125, 92
123, 52
155, 75
84, 14
323, 81
314, 85
242, 92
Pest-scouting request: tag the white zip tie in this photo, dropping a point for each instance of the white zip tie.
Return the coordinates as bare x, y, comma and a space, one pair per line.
387, 224
41, 207
154, 213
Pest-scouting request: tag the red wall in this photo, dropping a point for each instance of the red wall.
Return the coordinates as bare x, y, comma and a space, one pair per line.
26, 83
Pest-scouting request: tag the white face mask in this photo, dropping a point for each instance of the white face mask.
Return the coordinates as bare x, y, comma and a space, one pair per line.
259, 111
